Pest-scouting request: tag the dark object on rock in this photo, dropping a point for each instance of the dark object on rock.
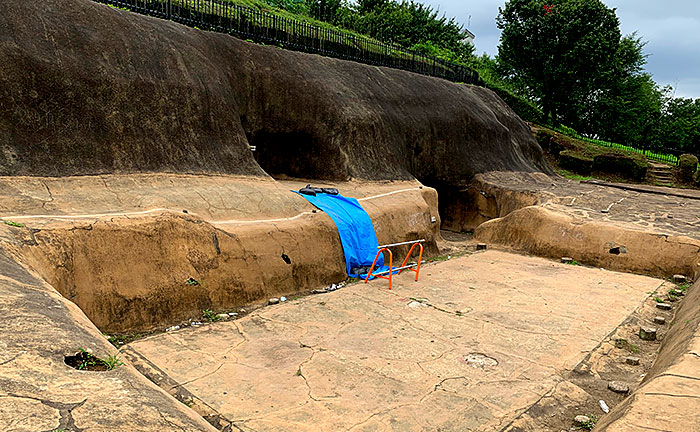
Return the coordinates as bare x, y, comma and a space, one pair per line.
659, 320
330, 191
634, 361
679, 279
619, 387
615, 250
647, 333
687, 166
185, 211
481, 246
360, 271
286, 258
307, 191
273, 301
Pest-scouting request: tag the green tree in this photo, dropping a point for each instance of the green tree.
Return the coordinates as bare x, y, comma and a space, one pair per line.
558, 50
626, 108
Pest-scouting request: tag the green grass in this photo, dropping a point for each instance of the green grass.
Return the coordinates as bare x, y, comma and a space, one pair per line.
573, 176
14, 224
658, 157
574, 263
112, 361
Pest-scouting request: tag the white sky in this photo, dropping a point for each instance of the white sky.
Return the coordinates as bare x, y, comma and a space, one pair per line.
671, 28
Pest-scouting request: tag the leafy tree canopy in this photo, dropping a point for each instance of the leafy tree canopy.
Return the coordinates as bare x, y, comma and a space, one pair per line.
559, 50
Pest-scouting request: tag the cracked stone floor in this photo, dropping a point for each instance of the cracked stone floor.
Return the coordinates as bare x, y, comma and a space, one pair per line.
471, 346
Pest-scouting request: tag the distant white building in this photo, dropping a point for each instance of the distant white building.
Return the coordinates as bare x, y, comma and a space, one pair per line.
468, 37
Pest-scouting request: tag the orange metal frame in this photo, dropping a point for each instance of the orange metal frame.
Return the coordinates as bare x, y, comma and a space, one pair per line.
391, 263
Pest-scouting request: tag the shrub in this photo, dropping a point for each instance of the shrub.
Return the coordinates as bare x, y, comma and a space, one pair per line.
687, 166
575, 162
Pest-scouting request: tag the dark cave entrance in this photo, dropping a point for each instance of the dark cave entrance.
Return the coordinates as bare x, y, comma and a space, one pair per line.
295, 154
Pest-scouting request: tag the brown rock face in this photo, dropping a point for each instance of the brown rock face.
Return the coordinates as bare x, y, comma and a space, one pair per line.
89, 89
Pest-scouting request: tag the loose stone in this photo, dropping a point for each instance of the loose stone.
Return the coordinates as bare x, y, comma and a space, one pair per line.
663, 306
273, 301
659, 320
647, 333
222, 316
676, 292
481, 246
634, 361
619, 387
567, 260
581, 420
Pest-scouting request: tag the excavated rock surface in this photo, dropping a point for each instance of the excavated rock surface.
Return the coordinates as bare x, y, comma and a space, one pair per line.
39, 392
122, 249
473, 345
647, 230
89, 89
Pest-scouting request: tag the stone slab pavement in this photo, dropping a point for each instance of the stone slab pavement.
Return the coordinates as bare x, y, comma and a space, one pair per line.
471, 346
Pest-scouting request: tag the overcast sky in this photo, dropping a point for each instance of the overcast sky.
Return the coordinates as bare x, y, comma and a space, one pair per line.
671, 28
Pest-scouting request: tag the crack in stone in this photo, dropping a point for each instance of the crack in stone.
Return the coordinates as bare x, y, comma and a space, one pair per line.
65, 410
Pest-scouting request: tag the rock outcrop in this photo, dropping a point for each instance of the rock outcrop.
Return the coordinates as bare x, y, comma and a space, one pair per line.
89, 89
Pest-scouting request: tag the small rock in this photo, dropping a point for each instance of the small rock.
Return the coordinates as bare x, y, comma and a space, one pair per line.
333, 287
566, 260
415, 305
222, 316
659, 320
647, 333
679, 279
319, 291
232, 314
283, 299
582, 420
273, 301
481, 246
670, 216
241, 310
676, 292
603, 406
663, 306
619, 387
196, 323
634, 361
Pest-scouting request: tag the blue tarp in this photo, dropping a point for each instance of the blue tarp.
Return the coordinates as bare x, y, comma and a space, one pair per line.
355, 228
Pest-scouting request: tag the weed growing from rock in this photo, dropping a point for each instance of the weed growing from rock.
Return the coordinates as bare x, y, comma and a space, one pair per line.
209, 315
14, 224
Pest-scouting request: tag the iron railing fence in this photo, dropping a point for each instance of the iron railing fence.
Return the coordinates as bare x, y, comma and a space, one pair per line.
264, 27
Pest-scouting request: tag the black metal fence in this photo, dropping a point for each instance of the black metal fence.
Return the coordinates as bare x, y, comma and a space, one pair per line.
264, 27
